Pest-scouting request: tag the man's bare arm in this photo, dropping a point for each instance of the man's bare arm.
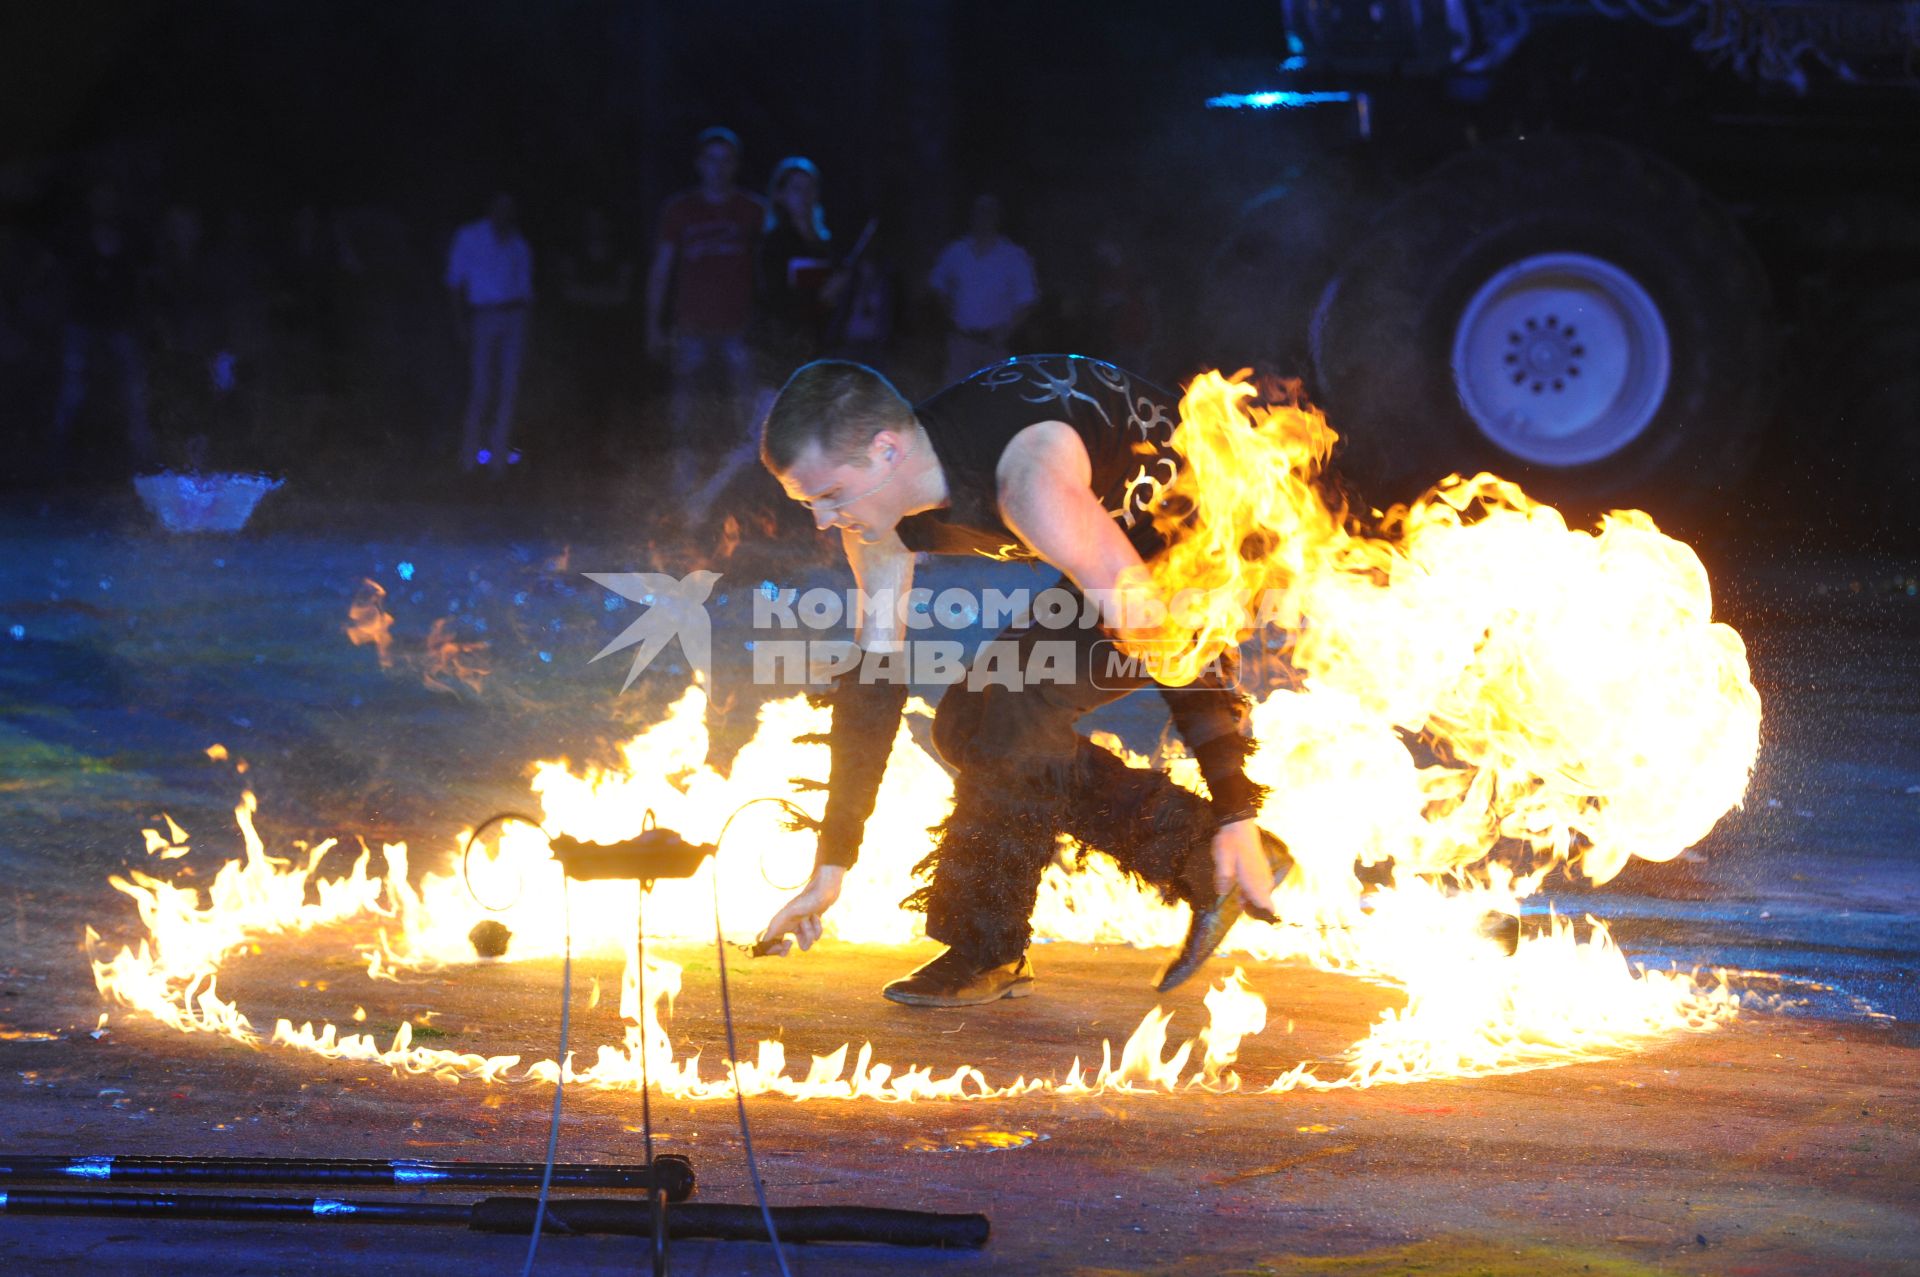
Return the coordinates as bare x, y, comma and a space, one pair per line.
1045, 481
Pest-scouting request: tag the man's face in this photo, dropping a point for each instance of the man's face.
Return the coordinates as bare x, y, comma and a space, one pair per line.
858, 496
716, 164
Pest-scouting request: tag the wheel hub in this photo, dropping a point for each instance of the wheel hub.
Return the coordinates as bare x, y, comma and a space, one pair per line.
1561, 359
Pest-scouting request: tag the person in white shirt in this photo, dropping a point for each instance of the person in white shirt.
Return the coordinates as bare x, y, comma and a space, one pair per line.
986, 282
490, 279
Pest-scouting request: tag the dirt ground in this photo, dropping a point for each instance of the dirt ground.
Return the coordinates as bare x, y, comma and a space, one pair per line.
1786, 1144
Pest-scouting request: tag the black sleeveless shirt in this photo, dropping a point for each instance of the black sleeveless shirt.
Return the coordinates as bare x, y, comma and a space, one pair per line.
1126, 423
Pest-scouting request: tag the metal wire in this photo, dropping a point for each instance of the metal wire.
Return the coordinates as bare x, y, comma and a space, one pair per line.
726, 1010
656, 1202
656, 1198
466, 854
540, 1216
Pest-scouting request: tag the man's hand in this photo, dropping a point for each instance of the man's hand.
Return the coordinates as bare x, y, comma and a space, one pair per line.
1239, 858
800, 916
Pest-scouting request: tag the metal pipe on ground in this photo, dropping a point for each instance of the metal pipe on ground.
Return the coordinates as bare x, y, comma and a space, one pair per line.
699, 1220
674, 1174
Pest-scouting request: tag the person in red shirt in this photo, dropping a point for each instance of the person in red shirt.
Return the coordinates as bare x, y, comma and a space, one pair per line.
700, 302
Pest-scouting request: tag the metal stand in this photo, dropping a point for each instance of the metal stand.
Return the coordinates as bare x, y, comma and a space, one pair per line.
656, 853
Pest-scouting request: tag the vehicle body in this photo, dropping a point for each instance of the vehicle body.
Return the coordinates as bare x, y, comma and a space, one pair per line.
1614, 250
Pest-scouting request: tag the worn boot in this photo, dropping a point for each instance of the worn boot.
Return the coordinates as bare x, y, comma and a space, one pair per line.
984, 874
955, 979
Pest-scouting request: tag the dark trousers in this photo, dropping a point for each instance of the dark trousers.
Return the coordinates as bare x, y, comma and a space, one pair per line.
497, 346
1026, 775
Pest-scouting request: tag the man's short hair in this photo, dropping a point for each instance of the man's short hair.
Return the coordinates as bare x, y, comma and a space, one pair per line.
836, 404
718, 133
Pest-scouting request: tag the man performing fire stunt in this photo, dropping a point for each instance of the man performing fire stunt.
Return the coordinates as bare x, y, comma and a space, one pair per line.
1054, 458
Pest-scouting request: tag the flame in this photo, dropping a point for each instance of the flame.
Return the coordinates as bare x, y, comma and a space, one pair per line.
729, 539
1470, 1010
442, 657
1250, 519
1574, 688
171, 845
1235, 1012
1567, 696
447, 656
368, 621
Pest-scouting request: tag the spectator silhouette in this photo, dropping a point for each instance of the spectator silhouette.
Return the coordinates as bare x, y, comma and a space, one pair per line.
798, 285
986, 283
490, 279
703, 261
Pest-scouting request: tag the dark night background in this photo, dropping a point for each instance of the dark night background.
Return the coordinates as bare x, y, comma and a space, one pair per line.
400, 120
393, 124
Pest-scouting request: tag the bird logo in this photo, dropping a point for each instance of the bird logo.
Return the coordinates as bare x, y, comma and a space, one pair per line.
675, 609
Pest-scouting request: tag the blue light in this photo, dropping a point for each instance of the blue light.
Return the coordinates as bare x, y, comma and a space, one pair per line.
19, 632
1277, 99
1294, 63
484, 456
406, 571
1294, 45
769, 590
546, 658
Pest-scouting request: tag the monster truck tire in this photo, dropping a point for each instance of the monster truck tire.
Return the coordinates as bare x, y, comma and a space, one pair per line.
1567, 312
1264, 280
